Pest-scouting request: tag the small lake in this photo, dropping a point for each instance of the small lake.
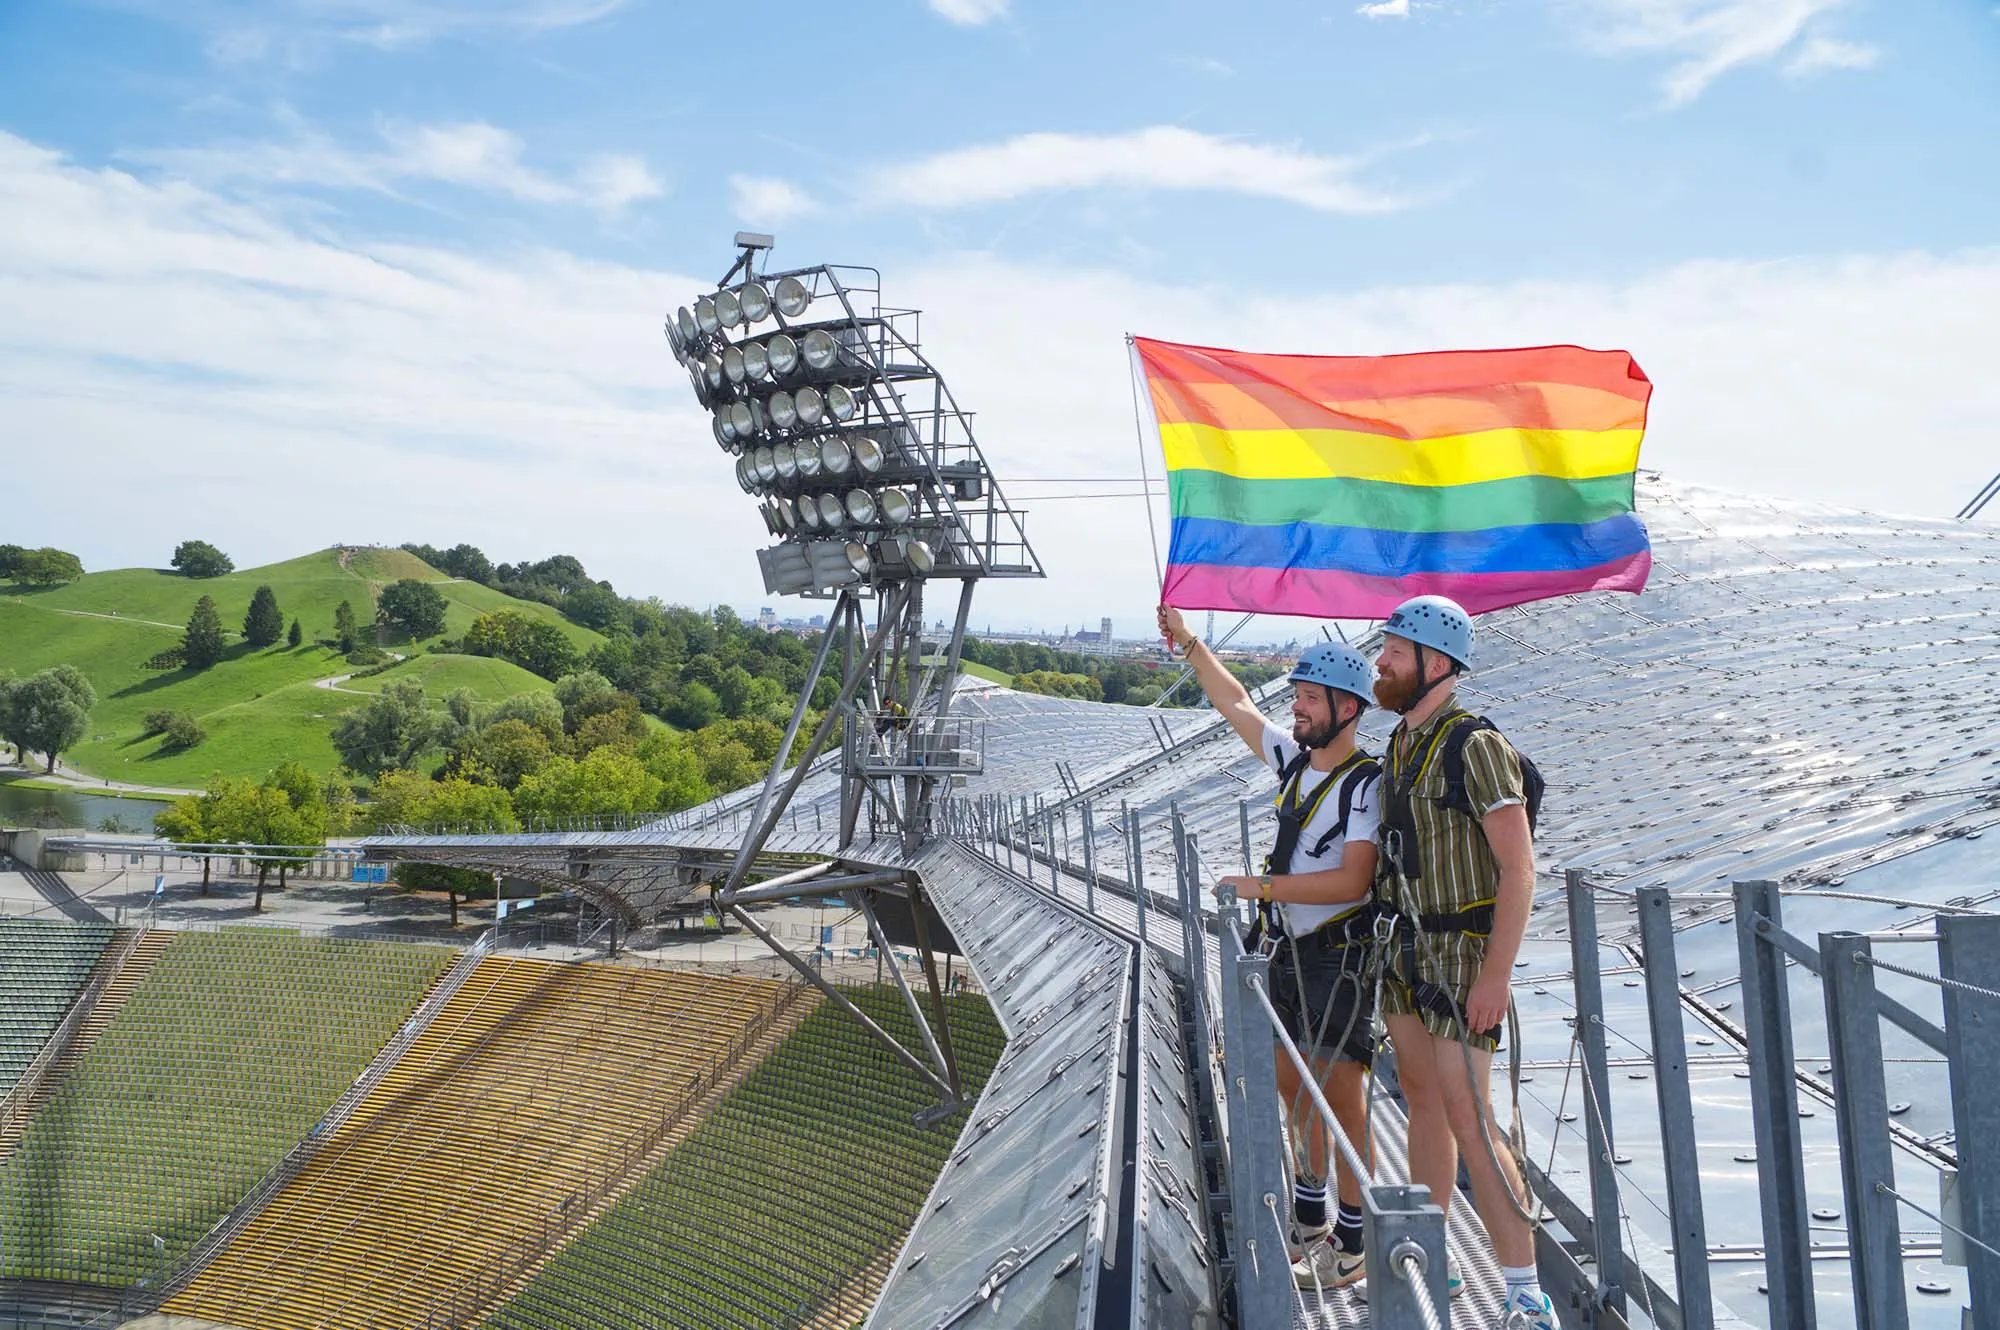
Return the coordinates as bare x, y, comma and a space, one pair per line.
66, 808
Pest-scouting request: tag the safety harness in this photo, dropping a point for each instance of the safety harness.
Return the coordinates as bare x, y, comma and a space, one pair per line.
1296, 810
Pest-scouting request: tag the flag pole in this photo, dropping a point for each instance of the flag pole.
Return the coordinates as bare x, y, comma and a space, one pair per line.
1139, 430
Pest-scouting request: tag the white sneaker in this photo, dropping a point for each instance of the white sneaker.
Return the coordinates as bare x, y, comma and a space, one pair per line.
1328, 1265
1454, 1279
1524, 1311
1298, 1238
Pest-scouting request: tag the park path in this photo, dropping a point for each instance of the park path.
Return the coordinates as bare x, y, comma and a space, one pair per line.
70, 778
333, 685
120, 618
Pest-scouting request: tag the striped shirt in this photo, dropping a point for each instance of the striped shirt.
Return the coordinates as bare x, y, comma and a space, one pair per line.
1457, 864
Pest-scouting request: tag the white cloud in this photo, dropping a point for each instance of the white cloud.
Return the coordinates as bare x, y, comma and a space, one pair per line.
1386, 9
1713, 37
242, 31
1161, 157
472, 155
174, 352
763, 201
971, 13
1824, 53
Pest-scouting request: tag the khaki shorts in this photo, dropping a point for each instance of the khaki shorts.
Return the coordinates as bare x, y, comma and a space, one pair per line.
1451, 962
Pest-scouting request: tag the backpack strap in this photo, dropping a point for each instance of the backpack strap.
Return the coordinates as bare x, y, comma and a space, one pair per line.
1452, 755
1359, 774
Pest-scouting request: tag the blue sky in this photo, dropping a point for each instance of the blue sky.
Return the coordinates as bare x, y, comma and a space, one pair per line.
393, 269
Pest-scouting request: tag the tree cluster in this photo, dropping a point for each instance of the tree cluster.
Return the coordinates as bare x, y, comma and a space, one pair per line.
46, 713
46, 566
1131, 680
198, 558
411, 607
288, 815
180, 728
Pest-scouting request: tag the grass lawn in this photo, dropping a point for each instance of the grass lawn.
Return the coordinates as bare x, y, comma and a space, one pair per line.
490, 680
258, 706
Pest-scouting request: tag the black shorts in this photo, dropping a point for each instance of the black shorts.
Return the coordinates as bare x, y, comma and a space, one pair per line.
1324, 995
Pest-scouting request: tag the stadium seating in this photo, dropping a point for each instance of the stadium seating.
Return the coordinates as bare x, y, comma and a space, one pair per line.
224, 1055
528, 1089
43, 963
801, 1180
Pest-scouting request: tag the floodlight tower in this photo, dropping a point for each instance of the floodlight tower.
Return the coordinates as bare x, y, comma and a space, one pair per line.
873, 488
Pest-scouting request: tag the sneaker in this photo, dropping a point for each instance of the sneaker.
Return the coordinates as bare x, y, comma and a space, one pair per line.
1454, 1278
1327, 1265
1299, 1237
1528, 1311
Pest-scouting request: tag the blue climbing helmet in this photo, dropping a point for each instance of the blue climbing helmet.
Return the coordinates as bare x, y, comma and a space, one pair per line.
1437, 622
1336, 666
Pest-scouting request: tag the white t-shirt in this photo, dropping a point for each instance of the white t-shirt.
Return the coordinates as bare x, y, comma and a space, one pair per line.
1362, 820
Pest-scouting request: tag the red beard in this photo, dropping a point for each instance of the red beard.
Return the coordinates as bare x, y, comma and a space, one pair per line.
1395, 692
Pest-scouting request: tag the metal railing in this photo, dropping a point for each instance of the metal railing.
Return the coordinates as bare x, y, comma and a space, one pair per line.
1968, 1213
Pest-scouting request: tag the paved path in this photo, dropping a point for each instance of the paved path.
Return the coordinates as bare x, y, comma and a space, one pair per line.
70, 778
333, 685
121, 618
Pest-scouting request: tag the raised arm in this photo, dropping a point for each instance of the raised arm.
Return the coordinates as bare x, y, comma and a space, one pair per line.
1226, 692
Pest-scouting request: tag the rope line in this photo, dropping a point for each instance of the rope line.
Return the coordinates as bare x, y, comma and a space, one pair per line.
1411, 1269
1884, 1189
1958, 985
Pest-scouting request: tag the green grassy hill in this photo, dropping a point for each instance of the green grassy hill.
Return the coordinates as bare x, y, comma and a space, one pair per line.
259, 707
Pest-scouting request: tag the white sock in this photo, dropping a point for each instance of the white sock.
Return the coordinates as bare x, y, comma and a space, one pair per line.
1522, 1282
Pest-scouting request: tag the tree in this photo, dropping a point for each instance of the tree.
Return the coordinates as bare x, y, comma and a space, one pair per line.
10, 558
414, 607
502, 753
49, 712
695, 706
185, 821
608, 780
403, 798
533, 644
263, 624
198, 558
183, 732
578, 693
596, 607
539, 711
467, 561
395, 726
43, 567
344, 631
672, 760
203, 645
296, 637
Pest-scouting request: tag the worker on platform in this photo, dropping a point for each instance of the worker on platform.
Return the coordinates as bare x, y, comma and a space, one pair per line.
1316, 916
1455, 883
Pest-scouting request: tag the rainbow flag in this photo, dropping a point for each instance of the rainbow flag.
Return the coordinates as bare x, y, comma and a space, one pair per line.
1338, 486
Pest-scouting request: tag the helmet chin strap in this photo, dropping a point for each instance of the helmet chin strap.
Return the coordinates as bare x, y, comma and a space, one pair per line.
1423, 689
1338, 726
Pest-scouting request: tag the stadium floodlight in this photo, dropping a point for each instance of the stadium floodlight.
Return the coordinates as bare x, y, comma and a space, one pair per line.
792, 297
841, 402
811, 407
835, 457
728, 309
820, 349
783, 351
867, 476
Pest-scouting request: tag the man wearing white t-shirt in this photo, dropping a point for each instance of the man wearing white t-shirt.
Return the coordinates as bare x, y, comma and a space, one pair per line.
1315, 901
